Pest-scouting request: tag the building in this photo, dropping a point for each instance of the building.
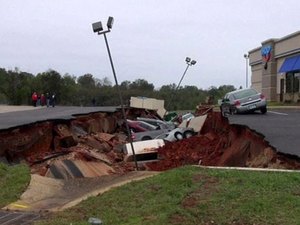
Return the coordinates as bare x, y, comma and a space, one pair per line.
275, 67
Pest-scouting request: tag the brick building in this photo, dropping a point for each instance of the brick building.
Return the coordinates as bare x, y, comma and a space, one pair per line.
275, 68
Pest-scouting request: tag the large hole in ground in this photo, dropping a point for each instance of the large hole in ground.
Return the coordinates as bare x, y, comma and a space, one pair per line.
92, 146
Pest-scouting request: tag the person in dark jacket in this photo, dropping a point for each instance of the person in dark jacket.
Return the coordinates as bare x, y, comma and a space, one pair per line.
53, 100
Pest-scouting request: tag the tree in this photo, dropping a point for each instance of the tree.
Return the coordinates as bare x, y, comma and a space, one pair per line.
69, 90
125, 85
16, 87
105, 82
49, 81
141, 84
86, 81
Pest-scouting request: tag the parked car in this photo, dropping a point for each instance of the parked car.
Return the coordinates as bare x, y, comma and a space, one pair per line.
177, 134
140, 126
243, 101
166, 134
160, 123
187, 116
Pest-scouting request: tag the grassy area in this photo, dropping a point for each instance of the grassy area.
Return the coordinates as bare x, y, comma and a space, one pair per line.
191, 195
13, 182
283, 104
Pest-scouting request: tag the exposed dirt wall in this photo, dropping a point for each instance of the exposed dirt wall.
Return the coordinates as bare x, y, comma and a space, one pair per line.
26, 141
222, 144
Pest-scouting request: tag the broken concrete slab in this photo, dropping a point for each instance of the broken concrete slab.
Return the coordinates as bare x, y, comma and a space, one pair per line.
104, 136
92, 142
69, 169
197, 122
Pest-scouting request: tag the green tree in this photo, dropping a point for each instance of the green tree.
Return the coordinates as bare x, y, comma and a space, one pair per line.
49, 82
15, 86
87, 89
86, 81
69, 90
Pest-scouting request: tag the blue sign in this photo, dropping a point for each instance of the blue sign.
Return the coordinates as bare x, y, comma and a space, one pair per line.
266, 52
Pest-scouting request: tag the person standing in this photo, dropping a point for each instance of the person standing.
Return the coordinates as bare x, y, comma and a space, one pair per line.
53, 100
38, 103
43, 100
34, 98
48, 99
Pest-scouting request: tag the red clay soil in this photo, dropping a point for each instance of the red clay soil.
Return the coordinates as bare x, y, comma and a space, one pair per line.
222, 144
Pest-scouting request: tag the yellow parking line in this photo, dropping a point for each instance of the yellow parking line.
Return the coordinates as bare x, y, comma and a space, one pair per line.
19, 206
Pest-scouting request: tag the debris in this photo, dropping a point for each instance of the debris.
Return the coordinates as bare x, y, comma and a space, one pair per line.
222, 144
94, 221
96, 145
68, 169
196, 123
142, 148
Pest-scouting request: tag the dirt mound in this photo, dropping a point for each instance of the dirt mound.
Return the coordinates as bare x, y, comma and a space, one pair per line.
222, 144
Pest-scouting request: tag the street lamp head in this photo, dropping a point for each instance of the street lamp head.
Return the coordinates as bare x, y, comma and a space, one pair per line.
246, 56
187, 59
193, 62
97, 27
110, 22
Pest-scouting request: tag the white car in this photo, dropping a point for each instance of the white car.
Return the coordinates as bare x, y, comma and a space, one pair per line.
176, 134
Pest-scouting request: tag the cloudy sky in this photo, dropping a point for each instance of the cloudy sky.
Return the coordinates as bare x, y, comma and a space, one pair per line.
149, 40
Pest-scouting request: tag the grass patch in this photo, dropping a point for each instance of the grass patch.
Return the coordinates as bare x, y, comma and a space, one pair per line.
283, 104
13, 182
191, 195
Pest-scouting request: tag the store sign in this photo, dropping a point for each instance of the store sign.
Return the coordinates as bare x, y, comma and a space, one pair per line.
266, 53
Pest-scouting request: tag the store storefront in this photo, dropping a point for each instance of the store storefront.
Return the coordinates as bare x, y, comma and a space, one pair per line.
275, 68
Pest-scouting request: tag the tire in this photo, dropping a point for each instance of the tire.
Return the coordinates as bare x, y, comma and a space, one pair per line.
146, 138
178, 136
263, 110
188, 134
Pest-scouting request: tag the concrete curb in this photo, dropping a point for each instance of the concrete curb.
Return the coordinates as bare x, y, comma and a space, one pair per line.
249, 169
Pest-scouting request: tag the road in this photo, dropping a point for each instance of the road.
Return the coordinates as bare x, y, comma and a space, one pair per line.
280, 127
19, 118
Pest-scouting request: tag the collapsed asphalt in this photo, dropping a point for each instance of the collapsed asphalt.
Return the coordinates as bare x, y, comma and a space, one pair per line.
93, 138
19, 118
280, 127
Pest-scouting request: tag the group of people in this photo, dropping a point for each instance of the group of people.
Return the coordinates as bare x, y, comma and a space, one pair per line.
41, 100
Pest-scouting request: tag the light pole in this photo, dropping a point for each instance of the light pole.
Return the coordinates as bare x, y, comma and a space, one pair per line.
98, 28
189, 63
246, 56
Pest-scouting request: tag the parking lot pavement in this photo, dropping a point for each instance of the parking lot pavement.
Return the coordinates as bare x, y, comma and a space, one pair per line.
23, 117
280, 127
17, 218
14, 108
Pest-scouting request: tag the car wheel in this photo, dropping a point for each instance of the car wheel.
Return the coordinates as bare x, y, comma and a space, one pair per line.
146, 138
263, 110
188, 134
178, 136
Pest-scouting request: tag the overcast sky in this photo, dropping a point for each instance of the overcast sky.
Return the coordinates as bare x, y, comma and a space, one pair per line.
149, 40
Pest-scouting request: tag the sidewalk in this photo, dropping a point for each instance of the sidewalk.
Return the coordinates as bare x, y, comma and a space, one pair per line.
14, 108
